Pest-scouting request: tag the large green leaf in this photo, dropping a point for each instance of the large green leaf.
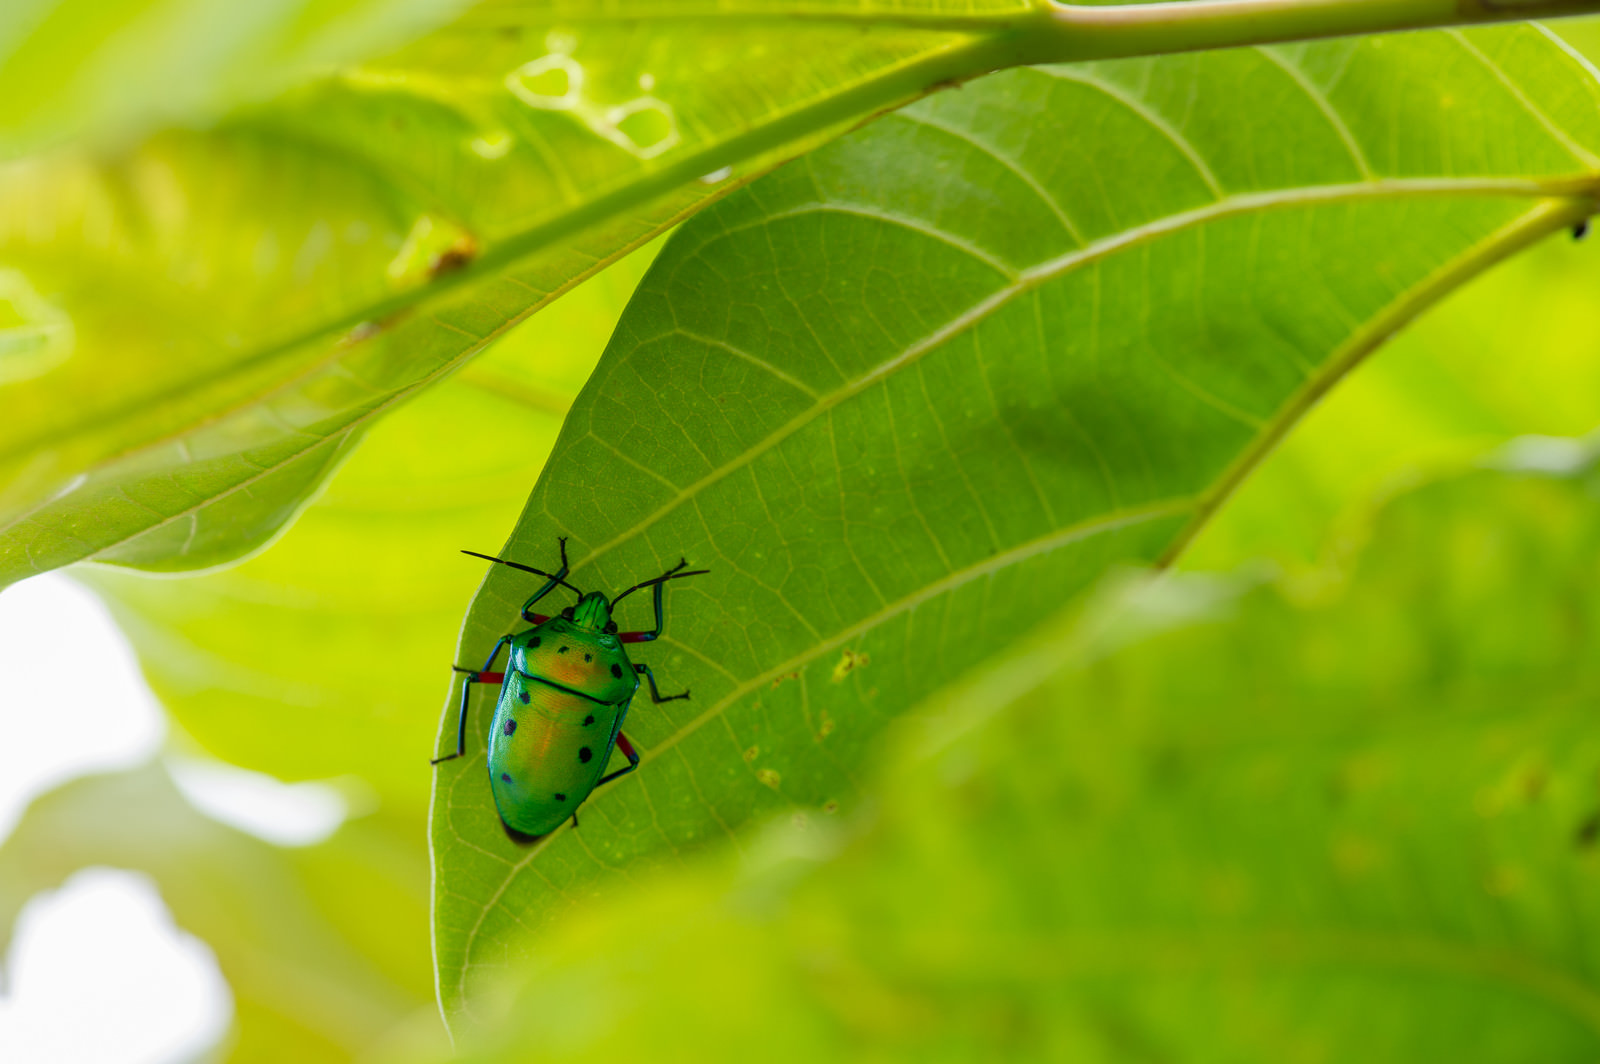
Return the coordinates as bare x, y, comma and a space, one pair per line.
906, 396
1365, 831
325, 948
196, 329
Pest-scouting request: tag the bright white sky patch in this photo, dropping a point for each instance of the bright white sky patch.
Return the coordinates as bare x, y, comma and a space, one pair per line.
98, 974
1555, 455
289, 814
72, 700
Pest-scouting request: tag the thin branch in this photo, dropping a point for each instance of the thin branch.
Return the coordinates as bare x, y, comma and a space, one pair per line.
1085, 32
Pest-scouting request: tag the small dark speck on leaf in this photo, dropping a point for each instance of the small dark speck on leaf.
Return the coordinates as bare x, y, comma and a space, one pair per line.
454, 257
850, 662
1588, 831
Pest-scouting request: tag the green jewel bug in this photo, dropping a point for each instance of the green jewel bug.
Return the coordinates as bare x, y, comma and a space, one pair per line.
563, 697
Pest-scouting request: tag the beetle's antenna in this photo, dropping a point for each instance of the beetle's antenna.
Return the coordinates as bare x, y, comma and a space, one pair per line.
526, 569
672, 574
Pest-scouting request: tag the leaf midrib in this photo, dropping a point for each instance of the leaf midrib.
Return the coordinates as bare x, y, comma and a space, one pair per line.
1034, 276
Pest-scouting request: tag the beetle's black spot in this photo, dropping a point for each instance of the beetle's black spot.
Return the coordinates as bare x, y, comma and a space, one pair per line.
616, 670
589, 719
511, 726
505, 777
585, 754
535, 641
523, 694
563, 650
561, 797
588, 657
1588, 831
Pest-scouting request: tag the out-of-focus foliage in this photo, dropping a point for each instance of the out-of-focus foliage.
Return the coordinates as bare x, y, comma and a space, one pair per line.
102, 71
907, 396
321, 656
325, 948
1366, 830
197, 327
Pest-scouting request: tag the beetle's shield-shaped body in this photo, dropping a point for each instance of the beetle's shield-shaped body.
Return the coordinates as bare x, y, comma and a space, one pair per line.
565, 694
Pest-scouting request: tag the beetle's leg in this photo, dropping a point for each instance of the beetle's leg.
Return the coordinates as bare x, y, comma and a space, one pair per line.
627, 751
655, 695
483, 675
661, 618
550, 585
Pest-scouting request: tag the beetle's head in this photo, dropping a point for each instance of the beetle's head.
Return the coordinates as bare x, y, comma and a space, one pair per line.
593, 612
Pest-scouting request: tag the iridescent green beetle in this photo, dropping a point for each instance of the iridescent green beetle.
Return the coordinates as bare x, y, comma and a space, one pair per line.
563, 698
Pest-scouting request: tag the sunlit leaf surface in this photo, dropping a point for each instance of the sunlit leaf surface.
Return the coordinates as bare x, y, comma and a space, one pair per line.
911, 393
1361, 831
196, 328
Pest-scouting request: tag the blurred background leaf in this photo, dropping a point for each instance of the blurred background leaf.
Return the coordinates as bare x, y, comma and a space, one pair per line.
196, 327
325, 947
103, 71
904, 397
1362, 830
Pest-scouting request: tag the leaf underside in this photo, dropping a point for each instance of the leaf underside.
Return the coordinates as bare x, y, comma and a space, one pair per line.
912, 393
